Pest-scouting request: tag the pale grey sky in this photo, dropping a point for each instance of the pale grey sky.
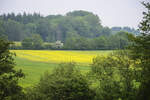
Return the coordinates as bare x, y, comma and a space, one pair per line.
111, 12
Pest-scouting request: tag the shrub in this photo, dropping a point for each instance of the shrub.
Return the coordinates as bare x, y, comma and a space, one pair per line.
64, 83
116, 76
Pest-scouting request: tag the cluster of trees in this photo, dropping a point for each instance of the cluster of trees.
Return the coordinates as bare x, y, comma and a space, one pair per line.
52, 27
34, 42
120, 41
114, 41
123, 75
77, 30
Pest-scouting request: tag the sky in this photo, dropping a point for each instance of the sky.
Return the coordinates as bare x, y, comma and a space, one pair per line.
111, 12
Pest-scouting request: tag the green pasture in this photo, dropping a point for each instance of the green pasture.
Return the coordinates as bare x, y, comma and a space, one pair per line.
33, 70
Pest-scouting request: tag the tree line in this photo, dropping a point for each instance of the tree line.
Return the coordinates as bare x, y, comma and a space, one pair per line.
76, 30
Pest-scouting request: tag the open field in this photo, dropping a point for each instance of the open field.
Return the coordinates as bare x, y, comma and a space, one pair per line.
58, 56
35, 62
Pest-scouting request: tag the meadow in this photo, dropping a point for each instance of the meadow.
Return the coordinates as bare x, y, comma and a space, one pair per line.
35, 62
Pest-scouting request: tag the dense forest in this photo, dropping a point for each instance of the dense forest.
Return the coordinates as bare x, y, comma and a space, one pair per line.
76, 30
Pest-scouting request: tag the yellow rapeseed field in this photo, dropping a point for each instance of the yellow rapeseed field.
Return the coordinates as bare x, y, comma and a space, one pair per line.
58, 56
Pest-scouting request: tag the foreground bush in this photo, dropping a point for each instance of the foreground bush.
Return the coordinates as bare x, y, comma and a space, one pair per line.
9, 88
116, 77
64, 83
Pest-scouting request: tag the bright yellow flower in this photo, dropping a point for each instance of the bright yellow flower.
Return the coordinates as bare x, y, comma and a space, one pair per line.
57, 56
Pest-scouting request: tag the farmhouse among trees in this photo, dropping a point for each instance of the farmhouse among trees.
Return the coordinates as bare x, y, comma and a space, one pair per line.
58, 44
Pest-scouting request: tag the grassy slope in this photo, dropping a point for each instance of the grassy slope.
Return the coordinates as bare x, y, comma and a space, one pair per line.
33, 70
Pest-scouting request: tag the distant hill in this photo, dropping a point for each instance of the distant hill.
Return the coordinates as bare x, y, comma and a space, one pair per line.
126, 29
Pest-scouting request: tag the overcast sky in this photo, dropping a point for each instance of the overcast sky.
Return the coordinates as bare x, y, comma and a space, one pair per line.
111, 12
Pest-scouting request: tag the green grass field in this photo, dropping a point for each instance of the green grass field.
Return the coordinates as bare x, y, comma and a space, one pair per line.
35, 62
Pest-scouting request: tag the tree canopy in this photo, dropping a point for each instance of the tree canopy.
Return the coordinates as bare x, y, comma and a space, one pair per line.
9, 88
73, 26
140, 51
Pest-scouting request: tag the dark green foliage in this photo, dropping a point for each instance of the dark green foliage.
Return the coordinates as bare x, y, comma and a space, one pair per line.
37, 41
100, 43
9, 88
71, 27
2, 31
106, 31
44, 29
22, 18
64, 83
115, 76
13, 30
121, 40
79, 43
34, 42
27, 43
140, 51
116, 41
